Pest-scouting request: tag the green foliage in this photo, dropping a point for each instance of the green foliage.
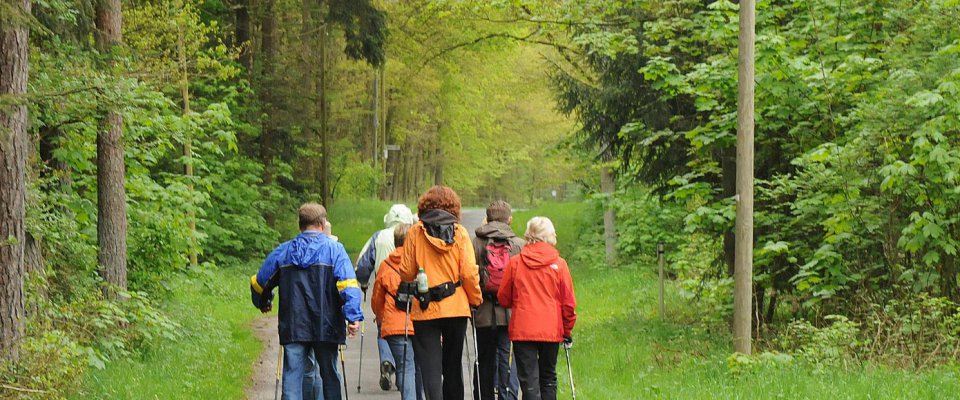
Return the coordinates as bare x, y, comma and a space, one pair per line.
856, 138
214, 332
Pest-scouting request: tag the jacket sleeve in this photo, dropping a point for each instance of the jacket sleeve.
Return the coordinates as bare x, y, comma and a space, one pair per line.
266, 279
470, 273
408, 263
368, 256
505, 294
568, 301
379, 296
347, 285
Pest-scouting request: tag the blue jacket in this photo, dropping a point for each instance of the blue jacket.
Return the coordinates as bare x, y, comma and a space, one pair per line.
318, 289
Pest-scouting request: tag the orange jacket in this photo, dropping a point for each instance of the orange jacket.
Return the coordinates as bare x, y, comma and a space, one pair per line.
442, 263
391, 319
538, 289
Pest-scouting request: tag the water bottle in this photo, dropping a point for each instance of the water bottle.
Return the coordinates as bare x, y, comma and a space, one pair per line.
422, 286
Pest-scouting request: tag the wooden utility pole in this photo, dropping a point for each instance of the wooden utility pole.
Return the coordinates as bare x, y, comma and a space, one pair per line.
14, 56
743, 273
111, 194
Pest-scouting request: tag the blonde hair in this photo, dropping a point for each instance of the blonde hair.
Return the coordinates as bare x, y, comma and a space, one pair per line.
540, 229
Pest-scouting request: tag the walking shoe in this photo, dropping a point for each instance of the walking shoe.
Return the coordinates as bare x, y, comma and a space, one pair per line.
386, 373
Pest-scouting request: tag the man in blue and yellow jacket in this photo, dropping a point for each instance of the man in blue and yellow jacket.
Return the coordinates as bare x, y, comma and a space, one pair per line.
319, 302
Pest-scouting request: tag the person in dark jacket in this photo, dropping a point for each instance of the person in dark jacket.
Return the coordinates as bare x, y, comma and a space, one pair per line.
537, 287
493, 344
319, 302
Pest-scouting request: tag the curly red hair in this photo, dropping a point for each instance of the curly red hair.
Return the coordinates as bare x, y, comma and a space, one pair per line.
441, 198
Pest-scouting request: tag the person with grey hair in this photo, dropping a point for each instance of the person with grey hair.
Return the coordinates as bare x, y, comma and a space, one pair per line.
537, 287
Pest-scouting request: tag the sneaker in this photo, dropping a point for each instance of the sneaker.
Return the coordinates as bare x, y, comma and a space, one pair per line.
386, 372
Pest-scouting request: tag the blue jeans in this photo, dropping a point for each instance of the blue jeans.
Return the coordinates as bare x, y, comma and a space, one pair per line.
385, 353
301, 372
408, 379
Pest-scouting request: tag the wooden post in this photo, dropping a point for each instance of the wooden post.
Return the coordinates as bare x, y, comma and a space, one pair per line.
660, 261
743, 271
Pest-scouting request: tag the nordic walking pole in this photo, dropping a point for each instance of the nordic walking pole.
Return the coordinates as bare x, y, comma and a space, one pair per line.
363, 329
276, 392
476, 351
343, 369
573, 389
406, 343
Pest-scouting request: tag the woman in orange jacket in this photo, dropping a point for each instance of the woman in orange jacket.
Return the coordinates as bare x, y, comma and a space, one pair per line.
538, 289
394, 326
439, 246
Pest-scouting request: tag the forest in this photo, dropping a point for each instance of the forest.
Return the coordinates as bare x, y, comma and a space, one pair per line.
148, 143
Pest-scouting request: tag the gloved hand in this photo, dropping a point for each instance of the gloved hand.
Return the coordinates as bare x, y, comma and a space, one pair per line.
267, 306
568, 342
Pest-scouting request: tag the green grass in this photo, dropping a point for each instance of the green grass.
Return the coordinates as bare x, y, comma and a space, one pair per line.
354, 221
567, 219
624, 351
213, 359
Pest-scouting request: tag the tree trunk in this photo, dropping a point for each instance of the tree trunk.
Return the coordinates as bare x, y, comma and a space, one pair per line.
111, 195
268, 48
324, 134
438, 159
13, 174
242, 33
608, 186
188, 138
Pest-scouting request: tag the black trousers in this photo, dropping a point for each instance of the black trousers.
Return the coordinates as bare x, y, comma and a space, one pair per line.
438, 348
537, 367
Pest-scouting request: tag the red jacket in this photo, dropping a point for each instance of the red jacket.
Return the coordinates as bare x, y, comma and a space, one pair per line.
538, 289
392, 320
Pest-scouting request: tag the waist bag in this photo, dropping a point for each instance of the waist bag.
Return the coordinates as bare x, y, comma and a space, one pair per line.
437, 293
405, 294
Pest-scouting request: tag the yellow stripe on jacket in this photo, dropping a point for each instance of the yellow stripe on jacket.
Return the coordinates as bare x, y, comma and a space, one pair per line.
256, 286
347, 283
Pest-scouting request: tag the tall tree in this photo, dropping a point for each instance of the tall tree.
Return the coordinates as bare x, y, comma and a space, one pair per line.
13, 153
267, 59
111, 195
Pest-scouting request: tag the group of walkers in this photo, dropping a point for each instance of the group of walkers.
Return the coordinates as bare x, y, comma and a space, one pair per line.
429, 279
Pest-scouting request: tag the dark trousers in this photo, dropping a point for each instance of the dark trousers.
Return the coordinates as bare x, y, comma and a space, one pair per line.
496, 370
537, 367
438, 347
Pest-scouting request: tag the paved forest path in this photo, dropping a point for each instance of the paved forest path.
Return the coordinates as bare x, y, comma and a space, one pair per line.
263, 381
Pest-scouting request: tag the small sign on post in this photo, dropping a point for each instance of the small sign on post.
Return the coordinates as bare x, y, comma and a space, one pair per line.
660, 262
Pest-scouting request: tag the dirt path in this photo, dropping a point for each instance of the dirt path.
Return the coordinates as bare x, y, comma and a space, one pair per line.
262, 382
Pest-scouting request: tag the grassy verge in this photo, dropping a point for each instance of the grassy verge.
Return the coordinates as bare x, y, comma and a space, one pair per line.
212, 360
624, 351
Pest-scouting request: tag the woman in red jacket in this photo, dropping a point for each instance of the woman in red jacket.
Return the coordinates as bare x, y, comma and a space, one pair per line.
538, 289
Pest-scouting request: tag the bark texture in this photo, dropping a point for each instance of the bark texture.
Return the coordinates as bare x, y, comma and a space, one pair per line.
111, 195
13, 175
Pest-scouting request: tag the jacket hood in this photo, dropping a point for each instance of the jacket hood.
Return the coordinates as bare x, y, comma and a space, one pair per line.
305, 247
495, 230
398, 214
439, 225
539, 255
393, 260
